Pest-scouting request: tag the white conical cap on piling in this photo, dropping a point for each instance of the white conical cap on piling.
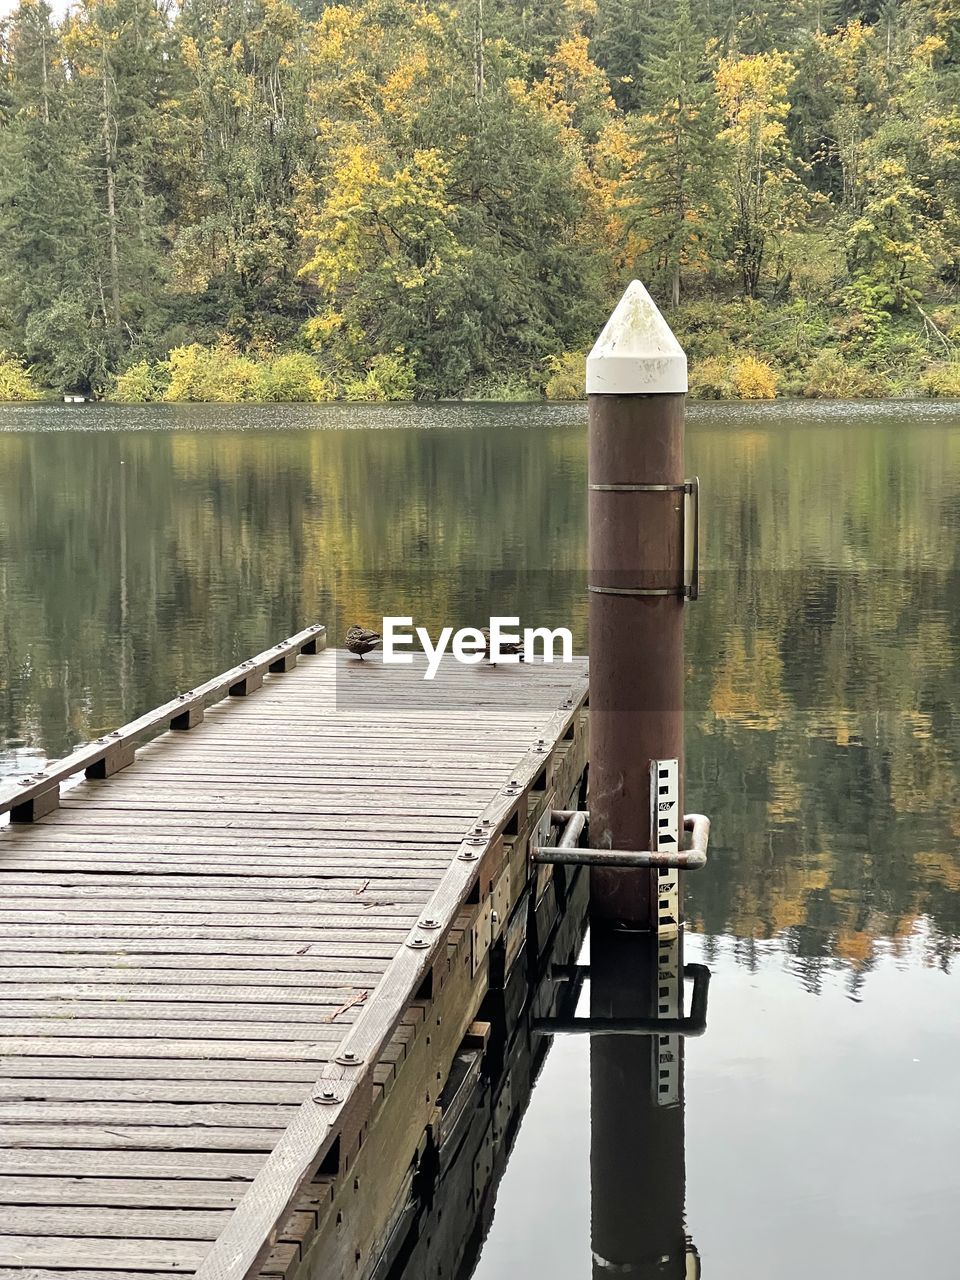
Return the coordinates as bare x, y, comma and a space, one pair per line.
636, 354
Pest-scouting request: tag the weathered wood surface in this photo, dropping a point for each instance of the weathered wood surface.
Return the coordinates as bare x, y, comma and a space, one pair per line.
188, 945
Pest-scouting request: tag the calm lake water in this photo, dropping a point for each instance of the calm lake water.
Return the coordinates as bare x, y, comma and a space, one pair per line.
144, 549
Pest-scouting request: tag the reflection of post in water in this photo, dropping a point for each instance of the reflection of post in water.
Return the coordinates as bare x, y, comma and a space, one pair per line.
637, 1171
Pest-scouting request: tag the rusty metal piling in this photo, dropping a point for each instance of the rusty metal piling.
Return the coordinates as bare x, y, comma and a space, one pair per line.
640, 574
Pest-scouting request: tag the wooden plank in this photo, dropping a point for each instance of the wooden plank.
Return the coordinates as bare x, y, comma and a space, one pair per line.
261, 1115
76, 887
61, 1137
64, 1252
76, 1273
131, 1163
194, 1046
322, 1000
104, 819
152, 944
109, 930
70, 966
345, 910
264, 888
158, 1193
146, 1069
173, 1028
133, 1223
219, 1017
41, 1091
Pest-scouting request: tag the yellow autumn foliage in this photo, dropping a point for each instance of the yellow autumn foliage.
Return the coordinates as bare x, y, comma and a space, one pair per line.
754, 379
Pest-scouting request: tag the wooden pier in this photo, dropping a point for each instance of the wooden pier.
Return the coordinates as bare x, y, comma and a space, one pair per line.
239, 959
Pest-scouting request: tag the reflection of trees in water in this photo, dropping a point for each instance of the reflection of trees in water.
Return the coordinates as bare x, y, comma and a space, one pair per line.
823, 681
822, 654
235, 539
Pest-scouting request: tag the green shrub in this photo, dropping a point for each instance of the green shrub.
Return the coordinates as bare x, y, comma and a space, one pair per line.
506, 388
942, 379
67, 348
832, 377
15, 381
568, 376
713, 329
211, 375
143, 383
389, 377
754, 379
711, 379
291, 377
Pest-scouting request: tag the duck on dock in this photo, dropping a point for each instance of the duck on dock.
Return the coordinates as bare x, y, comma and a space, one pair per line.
360, 641
505, 647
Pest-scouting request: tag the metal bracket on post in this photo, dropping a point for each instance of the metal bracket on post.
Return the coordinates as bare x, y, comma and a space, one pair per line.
689, 587
665, 836
566, 850
665, 839
691, 538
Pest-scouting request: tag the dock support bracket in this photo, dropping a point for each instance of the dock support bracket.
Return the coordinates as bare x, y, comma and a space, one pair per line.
566, 850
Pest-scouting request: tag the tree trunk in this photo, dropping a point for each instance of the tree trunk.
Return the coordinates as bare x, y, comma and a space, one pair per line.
110, 163
478, 71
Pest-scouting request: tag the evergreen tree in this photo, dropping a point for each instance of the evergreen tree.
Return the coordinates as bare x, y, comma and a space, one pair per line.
248, 141
48, 212
620, 43
677, 205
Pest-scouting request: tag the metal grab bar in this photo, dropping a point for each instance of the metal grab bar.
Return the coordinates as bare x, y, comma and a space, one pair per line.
565, 850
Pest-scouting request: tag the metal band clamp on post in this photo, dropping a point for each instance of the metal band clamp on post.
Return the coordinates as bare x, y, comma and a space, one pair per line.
690, 587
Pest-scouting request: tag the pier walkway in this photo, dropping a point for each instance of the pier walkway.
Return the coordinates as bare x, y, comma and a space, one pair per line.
222, 956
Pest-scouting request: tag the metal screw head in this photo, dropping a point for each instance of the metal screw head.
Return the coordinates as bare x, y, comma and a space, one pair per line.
348, 1059
418, 943
327, 1096
468, 855
429, 922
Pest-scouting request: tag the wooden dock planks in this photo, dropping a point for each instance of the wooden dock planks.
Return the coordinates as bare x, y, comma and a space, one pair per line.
187, 946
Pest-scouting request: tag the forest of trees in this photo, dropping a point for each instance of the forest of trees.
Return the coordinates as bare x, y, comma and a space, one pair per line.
230, 199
